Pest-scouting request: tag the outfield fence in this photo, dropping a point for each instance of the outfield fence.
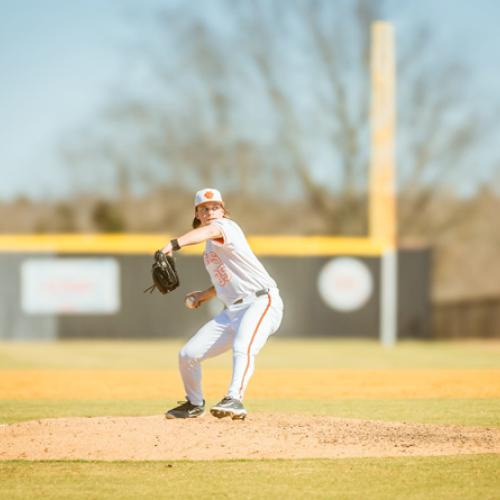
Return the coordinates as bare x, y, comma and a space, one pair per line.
467, 318
91, 286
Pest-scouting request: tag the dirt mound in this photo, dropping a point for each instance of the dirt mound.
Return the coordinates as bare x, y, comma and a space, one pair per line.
259, 436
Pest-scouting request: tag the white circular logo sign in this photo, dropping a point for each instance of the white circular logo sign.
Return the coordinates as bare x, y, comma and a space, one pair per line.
345, 283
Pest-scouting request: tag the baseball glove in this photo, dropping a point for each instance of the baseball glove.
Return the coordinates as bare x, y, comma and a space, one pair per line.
165, 277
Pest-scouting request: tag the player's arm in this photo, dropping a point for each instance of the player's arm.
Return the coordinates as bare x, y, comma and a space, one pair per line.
208, 294
195, 236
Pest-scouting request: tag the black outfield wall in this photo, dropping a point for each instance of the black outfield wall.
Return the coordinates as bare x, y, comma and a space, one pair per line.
143, 316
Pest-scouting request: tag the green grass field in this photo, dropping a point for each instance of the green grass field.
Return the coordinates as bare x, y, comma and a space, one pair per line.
466, 476
474, 412
278, 353
459, 477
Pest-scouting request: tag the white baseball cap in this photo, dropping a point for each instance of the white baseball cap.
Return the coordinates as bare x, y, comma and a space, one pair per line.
206, 195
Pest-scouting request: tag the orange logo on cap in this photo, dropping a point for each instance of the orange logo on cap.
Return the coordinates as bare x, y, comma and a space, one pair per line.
209, 195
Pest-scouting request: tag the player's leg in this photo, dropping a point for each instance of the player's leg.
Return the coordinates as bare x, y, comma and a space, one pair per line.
260, 320
212, 339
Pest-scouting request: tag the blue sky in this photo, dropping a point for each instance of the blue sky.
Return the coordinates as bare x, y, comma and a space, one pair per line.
60, 60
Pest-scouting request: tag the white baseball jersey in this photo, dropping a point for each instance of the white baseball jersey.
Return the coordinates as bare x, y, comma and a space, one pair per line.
234, 269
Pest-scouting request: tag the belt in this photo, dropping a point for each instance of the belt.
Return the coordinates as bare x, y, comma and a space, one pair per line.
258, 293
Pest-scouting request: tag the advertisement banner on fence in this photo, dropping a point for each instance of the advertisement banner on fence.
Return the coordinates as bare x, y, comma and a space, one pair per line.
70, 286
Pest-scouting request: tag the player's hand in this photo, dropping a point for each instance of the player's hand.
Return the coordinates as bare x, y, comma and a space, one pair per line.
167, 249
194, 300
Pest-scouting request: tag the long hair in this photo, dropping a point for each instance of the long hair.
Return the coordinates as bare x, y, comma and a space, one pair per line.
197, 222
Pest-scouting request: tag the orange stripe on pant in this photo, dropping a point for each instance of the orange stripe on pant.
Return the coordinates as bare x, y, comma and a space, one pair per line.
251, 342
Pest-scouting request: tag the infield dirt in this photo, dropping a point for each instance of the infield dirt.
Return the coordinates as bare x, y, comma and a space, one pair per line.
259, 436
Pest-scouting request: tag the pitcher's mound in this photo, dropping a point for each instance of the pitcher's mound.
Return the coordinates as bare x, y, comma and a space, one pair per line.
259, 436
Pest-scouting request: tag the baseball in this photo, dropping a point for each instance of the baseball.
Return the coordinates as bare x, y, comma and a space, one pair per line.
190, 302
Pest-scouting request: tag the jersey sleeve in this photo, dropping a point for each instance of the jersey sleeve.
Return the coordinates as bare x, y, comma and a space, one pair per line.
229, 231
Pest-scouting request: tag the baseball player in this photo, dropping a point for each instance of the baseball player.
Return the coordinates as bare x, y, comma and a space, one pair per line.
253, 307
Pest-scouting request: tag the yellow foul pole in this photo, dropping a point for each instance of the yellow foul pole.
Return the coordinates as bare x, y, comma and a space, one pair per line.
383, 123
382, 216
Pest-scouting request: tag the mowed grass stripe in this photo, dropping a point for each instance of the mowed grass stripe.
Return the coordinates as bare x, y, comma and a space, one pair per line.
274, 384
415, 478
470, 412
282, 353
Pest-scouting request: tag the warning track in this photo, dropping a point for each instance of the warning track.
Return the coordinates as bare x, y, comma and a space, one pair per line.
321, 384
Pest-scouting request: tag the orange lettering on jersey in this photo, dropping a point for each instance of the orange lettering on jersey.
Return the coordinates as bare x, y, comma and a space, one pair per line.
221, 276
215, 265
212, 258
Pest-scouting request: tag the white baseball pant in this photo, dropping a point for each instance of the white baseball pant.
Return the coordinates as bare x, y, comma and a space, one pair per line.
245, 328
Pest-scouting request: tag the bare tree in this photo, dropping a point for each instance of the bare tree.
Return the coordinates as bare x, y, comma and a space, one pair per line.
272, 98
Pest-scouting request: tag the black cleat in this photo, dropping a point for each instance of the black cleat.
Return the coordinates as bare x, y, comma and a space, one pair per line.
229, 407
186, 410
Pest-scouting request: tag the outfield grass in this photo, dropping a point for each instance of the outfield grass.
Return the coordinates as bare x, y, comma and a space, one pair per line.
277, 354
452, 477
471, 412
474, 476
